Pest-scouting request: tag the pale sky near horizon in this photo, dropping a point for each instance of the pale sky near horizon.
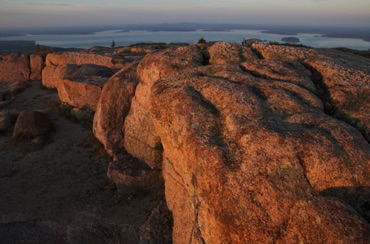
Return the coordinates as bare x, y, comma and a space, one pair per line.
24, 13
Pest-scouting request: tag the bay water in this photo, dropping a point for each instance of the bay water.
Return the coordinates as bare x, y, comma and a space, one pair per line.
121, 38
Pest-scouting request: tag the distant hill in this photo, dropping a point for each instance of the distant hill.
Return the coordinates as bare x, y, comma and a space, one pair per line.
17, 46
29, 46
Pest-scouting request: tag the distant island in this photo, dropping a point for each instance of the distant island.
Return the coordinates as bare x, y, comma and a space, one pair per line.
277, 32
215, 29
290, 40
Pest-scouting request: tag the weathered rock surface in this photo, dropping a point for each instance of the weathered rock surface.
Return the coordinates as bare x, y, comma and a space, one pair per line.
51, 76
14, 67
292, 72
343, 80
345, 83
140, 138
31, 124
324, 220
79, 58
36, 65
143, 48
227, 53
285, 53
81, 93
73, 65
113, 106
241, 152
81, 85
80, 72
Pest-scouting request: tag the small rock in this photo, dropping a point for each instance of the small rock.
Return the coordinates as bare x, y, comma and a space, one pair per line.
31, 124
5, 121
38, 140
4, 103
83, 113
8, 90
158, 227
131, 175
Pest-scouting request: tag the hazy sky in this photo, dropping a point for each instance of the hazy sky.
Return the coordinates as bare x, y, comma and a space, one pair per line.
24, 13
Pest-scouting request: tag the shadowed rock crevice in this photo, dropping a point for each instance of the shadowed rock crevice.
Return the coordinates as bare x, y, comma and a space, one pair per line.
331, 109
258, 53
29, 62
322, 90
206, 56
202, 100
301, 162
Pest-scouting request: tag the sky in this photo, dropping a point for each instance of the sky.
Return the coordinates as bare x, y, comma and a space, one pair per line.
49, 13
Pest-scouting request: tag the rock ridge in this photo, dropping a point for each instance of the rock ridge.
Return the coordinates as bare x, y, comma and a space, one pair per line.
260, 144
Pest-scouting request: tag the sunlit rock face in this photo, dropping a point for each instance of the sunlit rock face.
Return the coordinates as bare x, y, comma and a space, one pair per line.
267, 144
241, 151
113, 107
140, 137
249, 147
14, 68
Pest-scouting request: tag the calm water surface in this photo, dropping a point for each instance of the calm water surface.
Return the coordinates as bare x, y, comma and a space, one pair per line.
126, 38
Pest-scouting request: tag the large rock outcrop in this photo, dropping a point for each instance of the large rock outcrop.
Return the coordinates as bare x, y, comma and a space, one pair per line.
240, 153
250, 149
14, 67
261, 145
140, 138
